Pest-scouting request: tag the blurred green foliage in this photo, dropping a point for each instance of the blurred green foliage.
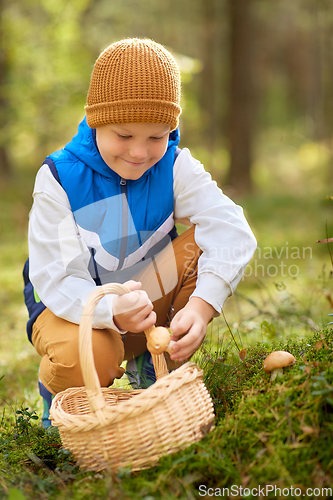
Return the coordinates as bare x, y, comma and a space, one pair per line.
48, 48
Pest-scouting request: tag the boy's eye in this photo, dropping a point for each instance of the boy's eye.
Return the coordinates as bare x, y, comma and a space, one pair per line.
129, 137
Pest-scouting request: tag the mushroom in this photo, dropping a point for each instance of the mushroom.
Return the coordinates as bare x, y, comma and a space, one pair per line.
276, 361
158, 340
169, 348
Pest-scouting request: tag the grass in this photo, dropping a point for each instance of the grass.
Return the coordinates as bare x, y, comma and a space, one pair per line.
265, 433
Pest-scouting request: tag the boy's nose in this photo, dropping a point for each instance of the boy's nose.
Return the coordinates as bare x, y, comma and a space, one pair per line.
138, 152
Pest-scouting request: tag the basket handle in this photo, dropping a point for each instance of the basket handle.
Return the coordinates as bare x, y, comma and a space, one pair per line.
89, 373
160, 365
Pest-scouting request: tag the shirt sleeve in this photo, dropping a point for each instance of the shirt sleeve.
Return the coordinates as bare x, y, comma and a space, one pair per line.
58, 257
221, 230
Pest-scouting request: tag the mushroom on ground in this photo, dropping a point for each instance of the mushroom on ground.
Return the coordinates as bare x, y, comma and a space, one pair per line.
276, 361
158, 340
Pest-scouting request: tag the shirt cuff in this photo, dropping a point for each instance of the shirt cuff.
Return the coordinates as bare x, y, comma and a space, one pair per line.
103, 317
212, 289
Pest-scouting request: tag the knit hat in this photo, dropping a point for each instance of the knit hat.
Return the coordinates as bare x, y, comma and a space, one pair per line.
134, 80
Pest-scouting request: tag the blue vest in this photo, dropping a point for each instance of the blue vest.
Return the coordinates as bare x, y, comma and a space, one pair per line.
122, 222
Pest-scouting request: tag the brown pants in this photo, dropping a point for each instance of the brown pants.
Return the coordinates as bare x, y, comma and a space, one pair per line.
56, 339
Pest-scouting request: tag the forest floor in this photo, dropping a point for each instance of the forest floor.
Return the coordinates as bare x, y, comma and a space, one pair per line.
274, 435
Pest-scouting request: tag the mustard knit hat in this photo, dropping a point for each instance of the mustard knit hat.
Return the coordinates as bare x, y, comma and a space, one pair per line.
134, 80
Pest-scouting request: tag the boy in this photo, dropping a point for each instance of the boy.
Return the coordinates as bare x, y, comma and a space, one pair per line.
104, 211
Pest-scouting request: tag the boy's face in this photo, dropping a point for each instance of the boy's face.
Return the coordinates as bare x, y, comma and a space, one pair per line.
130, 149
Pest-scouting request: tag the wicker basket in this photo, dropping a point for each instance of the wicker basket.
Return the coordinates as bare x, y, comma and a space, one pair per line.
108, 428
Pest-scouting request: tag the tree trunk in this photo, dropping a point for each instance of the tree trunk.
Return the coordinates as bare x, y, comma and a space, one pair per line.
208, 88
5, 164
241, 96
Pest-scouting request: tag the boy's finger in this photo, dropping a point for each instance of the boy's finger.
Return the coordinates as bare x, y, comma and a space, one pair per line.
149, 321
142, 313
143, 300
133, 285
132, 302
125, 303
184, 353
187, 345
179, 328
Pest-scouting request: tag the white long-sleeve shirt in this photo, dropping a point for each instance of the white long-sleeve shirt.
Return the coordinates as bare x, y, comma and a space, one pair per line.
221, 232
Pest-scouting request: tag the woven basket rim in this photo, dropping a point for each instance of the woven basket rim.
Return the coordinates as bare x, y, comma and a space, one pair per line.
144, 400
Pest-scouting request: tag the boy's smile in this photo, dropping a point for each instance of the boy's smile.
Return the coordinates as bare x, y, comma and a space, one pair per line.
130, 149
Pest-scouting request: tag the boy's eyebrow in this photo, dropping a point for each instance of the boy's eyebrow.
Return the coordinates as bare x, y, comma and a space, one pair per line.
124, 129
161, 134
119, 125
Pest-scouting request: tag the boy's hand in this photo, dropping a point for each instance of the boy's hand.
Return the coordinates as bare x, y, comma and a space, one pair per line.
192, 320
133, 311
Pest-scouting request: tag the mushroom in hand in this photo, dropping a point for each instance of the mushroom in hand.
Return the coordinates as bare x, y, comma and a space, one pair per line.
169, 348
276, 361
158, 340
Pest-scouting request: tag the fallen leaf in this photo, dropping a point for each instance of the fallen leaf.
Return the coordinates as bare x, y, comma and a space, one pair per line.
263, 436
326, 240
242, 354
275, 414
304, 384
319, 345
246, 480
327, 295
307, 429
257, 414
323, 339
307, 370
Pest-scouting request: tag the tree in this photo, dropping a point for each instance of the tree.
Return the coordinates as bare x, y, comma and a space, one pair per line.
241, 119
5, 164
208, 76
44, 73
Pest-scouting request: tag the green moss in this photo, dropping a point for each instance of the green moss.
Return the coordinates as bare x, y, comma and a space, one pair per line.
264, 431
